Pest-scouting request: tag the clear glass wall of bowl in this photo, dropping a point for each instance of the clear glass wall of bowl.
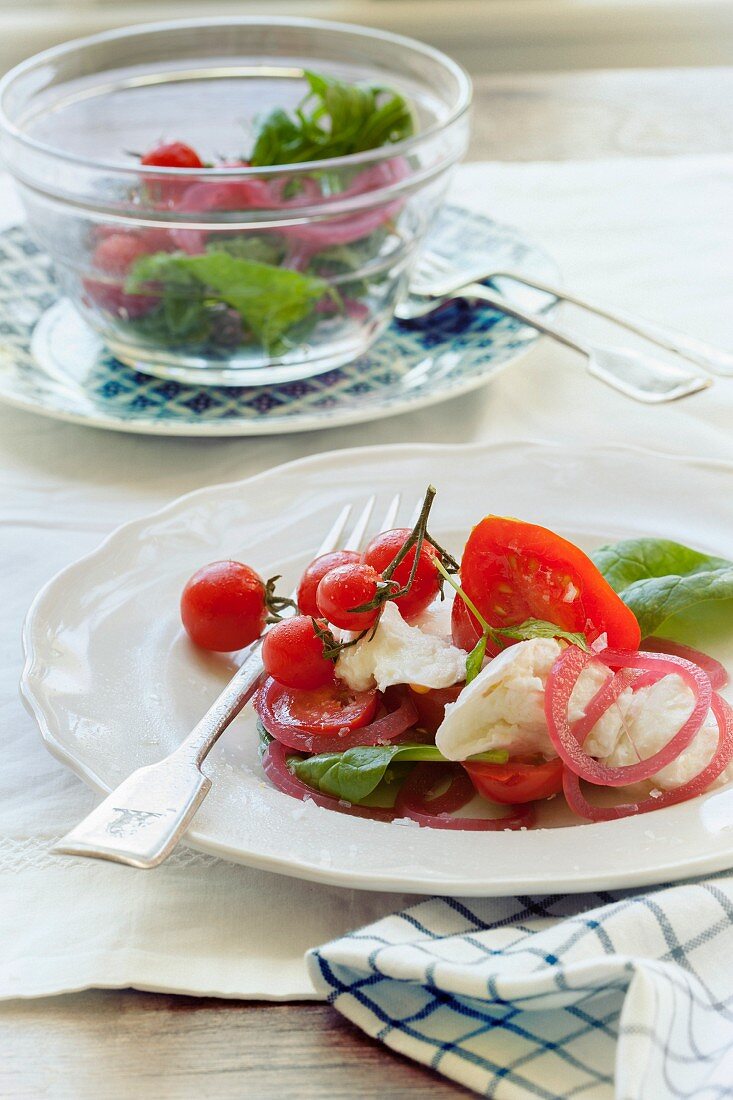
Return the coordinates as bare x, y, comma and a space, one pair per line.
227, 270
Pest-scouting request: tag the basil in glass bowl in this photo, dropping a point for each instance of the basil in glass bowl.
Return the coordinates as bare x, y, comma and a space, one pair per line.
234, 201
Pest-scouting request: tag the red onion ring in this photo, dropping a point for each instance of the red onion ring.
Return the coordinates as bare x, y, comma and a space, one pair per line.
604, 698
721, 758
718, 673
563, 678
275, 766
435, 813
402, 714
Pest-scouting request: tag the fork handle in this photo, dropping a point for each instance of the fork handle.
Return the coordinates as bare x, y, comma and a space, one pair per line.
478, 292
143, 819
690, 347
225, 708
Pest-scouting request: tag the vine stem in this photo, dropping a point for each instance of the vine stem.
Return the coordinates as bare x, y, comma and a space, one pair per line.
488, 630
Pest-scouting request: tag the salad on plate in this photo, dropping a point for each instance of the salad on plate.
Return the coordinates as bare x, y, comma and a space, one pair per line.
405, 684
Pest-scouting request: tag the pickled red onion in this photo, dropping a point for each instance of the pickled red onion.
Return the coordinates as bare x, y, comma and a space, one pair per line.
275, 767
564, 676
435, 813
402, 714
717, 673
721, 758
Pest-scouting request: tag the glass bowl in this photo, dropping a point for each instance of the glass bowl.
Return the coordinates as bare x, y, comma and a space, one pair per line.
233, 274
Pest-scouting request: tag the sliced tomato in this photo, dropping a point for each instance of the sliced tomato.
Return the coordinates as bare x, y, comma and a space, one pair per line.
515, 571
515, 782
431, 704
466, 631
326, 710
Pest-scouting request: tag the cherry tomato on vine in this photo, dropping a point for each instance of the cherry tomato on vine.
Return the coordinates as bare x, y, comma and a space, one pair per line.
224, 606
516, 781
314, 574
344, 588
384, 548
292, 654
173, 154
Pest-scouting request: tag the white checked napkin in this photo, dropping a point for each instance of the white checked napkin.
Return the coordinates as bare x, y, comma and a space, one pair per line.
551, 997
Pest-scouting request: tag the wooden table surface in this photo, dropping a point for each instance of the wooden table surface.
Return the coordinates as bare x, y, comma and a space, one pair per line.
115, 1045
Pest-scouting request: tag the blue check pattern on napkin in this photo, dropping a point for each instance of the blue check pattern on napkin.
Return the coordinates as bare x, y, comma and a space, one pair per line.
597, 996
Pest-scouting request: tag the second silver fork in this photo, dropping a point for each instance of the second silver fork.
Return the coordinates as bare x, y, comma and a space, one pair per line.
634, 373
142, 821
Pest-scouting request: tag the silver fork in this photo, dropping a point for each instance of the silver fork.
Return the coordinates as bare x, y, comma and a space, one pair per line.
716, 360
142, 821
634, 373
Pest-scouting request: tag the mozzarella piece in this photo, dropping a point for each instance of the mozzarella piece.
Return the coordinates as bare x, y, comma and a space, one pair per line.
436, 619
650, 718
504, 707
400, 654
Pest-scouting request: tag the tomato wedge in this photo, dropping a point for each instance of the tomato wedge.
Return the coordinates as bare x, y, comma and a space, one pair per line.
515, 782
515, 571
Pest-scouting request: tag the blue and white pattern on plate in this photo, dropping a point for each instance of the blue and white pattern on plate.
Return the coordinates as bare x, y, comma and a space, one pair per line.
412, 365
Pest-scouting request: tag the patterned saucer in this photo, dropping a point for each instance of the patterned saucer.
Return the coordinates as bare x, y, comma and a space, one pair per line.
53, 364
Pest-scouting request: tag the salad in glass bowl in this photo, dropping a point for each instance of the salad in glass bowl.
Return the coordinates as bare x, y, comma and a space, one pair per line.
234, 201
405, 684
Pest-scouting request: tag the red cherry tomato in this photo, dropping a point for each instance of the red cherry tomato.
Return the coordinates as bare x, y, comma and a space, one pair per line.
223, 606
516, 782
325, 711
346, 587
383, 549
431, 705
115, 255
515, 571
314, 574
292, 654
173, 154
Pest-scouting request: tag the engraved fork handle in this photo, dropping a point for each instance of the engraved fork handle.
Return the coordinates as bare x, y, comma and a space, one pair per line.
144, 818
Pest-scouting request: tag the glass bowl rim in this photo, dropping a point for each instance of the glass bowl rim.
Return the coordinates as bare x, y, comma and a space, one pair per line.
399, 148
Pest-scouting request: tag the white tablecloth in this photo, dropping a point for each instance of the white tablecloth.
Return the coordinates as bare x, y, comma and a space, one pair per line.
655, 235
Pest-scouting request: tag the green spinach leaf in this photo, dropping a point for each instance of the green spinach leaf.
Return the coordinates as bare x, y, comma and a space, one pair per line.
658, 578
355, 774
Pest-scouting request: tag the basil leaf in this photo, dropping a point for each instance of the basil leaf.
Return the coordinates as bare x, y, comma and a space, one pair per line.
475, 659
356, 774
658, 578
539, 628
264, 737
334, 119
269, 299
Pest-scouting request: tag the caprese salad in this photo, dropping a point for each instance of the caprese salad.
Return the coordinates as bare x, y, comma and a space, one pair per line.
404, 684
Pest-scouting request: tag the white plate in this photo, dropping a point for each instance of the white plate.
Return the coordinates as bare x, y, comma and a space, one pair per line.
114, 684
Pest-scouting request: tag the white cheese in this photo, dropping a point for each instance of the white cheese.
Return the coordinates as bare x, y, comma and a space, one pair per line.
400, 654
650, 718
504, 707
436, 619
